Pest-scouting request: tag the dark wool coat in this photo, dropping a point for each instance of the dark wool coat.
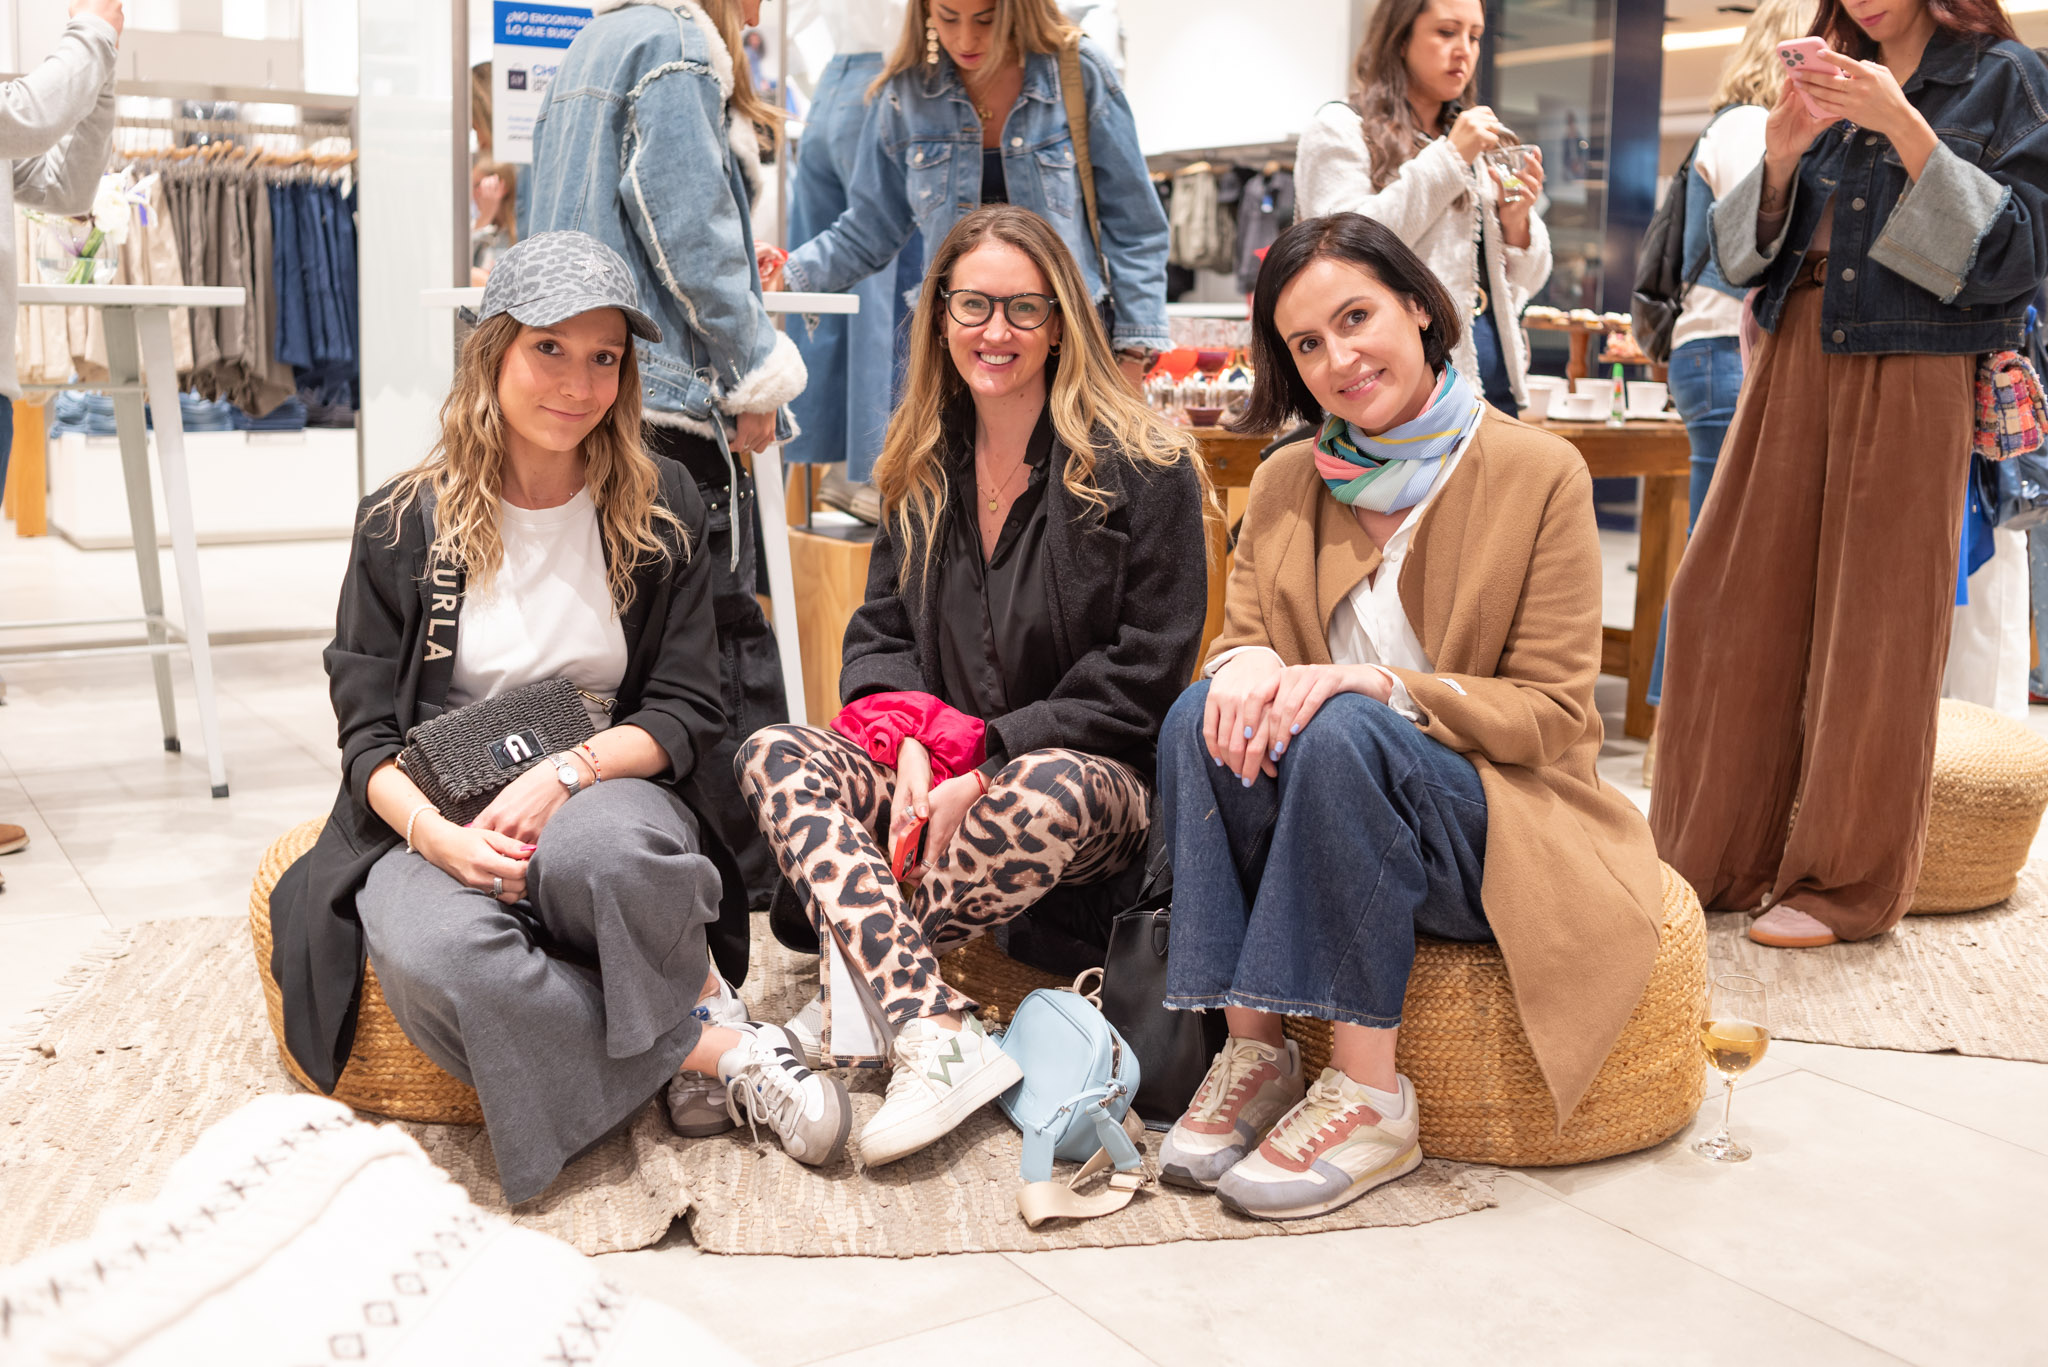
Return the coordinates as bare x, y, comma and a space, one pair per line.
388, 670
1128, 590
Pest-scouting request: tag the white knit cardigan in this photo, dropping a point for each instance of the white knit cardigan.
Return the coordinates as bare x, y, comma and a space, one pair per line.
1333, 174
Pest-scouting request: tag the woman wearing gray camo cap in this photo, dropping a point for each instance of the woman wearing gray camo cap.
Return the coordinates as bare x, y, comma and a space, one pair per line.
556, 951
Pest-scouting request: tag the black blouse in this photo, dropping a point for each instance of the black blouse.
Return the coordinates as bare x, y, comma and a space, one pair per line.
995, 184
997, 651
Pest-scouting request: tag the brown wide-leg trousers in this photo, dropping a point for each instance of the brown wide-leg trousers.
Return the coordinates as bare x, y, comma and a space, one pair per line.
1809, 630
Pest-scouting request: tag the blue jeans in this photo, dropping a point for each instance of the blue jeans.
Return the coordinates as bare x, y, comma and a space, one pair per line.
1706, 380
1492, 379
843, 413
1304, 894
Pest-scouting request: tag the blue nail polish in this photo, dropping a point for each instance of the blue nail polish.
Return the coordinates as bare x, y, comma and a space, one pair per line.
1294, 730
1247, 733
1219, 763
1274, 754
1247, 782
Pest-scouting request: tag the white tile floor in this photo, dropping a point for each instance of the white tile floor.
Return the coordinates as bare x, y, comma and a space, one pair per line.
1894, 1212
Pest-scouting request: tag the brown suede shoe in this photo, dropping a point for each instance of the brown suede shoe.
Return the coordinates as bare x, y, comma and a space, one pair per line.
12, 838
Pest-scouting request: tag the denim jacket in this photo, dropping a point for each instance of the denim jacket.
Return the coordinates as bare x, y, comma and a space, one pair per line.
1697, 246
1944, 265
635, 145
920, 168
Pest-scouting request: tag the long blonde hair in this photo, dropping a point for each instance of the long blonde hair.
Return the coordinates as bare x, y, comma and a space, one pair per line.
1093, 406
746, 101
1753, 73
466, 471
1021, 27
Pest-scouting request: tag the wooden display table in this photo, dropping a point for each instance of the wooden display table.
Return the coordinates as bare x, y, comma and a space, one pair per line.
1657, 452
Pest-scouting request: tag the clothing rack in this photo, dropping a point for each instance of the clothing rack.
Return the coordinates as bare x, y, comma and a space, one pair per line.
1243, 154
312, 132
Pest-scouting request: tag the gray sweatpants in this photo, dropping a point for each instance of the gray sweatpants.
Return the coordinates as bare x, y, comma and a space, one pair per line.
559, 1053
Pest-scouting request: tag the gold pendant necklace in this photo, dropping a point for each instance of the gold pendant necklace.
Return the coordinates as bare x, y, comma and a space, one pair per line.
995, 499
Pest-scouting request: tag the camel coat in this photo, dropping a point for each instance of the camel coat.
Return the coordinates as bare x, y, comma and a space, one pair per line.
1502, 585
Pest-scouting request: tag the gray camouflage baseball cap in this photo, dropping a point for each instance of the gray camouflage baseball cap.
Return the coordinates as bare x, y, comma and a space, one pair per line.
552, 276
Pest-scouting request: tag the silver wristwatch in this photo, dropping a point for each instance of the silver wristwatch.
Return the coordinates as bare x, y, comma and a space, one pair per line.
565, 770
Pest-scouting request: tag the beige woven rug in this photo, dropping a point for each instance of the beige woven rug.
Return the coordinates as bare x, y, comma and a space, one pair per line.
162, 1032
1975, 982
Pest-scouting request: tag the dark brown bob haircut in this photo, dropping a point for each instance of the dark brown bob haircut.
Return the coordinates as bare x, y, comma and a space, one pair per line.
1279, 398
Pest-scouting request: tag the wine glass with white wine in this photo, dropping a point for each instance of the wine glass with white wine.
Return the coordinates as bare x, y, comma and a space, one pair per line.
1736, 1031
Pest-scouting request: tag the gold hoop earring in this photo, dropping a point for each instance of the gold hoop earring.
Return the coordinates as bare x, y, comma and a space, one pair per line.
931, 43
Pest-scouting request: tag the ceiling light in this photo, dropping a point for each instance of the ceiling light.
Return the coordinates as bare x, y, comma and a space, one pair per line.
1725, 37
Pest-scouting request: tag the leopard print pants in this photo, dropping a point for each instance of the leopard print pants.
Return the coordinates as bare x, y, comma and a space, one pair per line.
1050, 816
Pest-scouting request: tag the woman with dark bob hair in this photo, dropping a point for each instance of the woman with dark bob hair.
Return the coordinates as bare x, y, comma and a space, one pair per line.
1396, 736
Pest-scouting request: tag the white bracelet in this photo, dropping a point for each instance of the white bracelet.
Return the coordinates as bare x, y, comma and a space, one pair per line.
423, 807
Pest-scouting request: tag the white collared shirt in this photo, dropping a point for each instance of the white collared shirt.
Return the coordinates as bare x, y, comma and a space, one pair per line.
1370, 627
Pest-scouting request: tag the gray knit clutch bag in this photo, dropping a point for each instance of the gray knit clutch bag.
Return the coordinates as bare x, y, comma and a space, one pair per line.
463, 758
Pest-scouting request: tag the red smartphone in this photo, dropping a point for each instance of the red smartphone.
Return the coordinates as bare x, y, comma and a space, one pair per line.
1800, 54
909, 850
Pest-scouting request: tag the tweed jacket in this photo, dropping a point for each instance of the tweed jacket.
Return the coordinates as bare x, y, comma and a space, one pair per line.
1502, 585
1128, 589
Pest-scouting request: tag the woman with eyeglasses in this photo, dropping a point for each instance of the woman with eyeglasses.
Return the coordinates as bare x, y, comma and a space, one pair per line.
1034, 606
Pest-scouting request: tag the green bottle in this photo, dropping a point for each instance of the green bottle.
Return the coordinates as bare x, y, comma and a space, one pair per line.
1617, 412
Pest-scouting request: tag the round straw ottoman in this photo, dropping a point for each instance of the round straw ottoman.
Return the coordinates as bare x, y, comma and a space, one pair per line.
1482, 1096
1990, 788
386, 1073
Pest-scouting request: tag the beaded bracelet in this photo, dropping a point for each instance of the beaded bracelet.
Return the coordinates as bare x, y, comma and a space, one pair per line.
423, 807
596, 771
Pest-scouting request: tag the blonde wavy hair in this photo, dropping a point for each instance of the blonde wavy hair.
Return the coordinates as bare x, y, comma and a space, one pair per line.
1753, 73
1093, 407
746, 101
466, 471
1021, 26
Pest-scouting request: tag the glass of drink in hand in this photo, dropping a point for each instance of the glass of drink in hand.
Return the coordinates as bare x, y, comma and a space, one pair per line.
1736, 1031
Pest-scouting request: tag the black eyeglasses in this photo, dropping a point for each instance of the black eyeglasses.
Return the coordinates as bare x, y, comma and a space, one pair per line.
972, 308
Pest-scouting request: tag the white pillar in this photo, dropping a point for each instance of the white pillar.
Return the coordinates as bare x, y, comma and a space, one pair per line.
407, 227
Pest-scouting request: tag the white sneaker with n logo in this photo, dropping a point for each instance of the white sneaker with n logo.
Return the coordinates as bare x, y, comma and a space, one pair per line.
941, 1077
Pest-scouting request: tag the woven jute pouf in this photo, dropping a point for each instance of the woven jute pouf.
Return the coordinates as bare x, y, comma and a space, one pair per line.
386, 1073
1483, 1100
1990, 788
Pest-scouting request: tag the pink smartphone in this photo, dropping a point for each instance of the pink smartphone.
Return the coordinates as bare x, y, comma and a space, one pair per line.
1797, 53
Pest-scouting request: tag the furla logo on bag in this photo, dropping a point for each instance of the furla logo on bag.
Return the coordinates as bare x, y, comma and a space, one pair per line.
516, 749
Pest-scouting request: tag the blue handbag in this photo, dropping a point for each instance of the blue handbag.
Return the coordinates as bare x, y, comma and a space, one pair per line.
1073, 1104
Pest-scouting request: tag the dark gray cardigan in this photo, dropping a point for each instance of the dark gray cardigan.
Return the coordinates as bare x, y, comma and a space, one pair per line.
383, 682
1128, 588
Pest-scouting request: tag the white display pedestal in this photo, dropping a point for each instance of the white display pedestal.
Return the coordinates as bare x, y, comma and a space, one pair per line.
768, 484
138, 324
246, 487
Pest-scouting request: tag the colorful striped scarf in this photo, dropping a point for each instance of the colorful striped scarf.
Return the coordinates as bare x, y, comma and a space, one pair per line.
1395, 469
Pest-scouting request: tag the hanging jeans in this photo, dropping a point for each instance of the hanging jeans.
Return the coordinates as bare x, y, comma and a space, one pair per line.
750, 668
843, 412
1304, 893
1809, 629
1706, 380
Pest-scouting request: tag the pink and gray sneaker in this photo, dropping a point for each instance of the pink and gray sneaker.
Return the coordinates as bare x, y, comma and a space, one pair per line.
1249, 1087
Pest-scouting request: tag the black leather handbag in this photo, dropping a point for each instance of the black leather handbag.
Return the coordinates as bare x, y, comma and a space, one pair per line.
1174, 1048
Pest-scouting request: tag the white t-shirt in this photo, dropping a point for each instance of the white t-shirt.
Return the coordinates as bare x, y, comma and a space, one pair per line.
1728, 150
547, 613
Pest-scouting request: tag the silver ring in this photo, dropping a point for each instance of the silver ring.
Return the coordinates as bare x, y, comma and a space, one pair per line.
497, 887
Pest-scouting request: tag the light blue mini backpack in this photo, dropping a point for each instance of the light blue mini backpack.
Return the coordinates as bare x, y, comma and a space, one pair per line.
1074, 1104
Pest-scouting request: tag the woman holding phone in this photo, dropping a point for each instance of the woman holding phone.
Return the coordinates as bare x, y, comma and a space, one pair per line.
1039, 583
1888, 257
1407, 152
